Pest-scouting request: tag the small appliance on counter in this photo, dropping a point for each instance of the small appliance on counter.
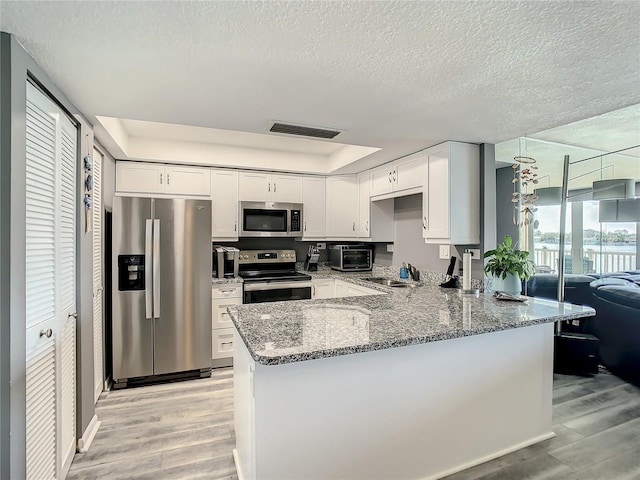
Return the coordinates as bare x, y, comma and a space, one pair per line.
451, 281
225, 261
351, 258
311, 262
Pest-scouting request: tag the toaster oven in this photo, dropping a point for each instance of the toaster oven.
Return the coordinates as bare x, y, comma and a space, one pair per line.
351, 258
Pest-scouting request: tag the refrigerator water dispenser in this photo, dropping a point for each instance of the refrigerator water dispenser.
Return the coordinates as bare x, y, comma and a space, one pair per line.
130, 272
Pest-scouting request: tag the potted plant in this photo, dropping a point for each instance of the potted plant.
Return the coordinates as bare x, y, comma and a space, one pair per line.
508, 266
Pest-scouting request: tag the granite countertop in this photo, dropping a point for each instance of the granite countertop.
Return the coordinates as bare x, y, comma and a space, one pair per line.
216, 281
286, 332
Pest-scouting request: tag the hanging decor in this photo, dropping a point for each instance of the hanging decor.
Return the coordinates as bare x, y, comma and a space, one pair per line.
524, 178
88, 186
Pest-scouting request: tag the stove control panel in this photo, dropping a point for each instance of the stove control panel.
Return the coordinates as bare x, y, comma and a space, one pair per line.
267, 256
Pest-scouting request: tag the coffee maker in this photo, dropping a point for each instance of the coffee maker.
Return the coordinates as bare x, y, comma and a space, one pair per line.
225, 261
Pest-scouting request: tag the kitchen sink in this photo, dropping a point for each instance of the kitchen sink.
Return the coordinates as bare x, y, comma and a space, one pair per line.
391, 283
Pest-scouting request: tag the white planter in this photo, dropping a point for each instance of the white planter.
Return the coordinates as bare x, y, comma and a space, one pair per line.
511, 284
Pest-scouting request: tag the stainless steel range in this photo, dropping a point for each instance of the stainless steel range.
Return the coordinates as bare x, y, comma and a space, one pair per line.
270, 276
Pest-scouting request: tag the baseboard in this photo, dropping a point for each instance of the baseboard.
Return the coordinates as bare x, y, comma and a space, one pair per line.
89, 434
236, 460
492, 456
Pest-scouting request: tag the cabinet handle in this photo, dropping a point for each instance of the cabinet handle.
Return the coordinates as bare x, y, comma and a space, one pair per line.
389, 177
394, 175
160, 179
72, 315
274, 187
46, 333
305, 226
354, 226
226, 290
366, 226
269, 188
314, 290
168, 179
226, 343
424, 223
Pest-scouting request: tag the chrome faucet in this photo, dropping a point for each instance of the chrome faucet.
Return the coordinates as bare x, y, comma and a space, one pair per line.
413, 273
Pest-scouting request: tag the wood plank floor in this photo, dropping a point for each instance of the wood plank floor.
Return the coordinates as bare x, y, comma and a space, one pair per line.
184, 430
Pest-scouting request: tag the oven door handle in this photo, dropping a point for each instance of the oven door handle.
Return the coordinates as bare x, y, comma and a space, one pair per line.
253, 287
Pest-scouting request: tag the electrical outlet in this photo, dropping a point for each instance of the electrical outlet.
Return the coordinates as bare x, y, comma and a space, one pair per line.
389, 247
321, 246
445, 252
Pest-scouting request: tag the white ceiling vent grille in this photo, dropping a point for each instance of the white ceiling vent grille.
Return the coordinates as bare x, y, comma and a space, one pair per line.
302, 131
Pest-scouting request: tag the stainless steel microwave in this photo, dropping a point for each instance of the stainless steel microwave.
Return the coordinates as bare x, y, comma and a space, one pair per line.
270, 219
351, 258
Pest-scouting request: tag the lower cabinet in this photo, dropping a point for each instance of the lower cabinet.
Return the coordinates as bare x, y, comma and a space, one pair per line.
223, 296
323, 288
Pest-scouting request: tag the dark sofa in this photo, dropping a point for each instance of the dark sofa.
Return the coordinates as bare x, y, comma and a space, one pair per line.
616, 298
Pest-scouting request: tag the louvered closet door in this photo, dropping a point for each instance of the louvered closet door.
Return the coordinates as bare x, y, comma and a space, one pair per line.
98, 289
67, 294
40, 287
50, 287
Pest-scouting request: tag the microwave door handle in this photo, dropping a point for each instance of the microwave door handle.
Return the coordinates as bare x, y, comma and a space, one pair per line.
148, 258
156, 268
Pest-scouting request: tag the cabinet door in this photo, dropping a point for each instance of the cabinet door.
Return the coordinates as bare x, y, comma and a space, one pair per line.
222, 343
254, 186
382, 180
325, 288
286, 188
342, 206
314, 207
436, 210
220, 316
183, 180
224, 204
136, 177
409, 173
364, 206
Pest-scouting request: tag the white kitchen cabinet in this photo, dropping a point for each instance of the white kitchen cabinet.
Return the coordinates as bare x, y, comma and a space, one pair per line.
323, 288
222, 345
149, 179
314, 206
223, 295
375, 219
451, 198
364, 205
342, 206
224, 204
404, 174
270, 187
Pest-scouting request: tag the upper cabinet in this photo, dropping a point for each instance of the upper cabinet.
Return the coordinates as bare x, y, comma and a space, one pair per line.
270, 187
400, 175
451, 198
342, 206
158, 179
224, 204
314, 208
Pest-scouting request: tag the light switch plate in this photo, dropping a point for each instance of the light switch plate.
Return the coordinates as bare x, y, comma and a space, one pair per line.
445, 252
321, 246
389, 247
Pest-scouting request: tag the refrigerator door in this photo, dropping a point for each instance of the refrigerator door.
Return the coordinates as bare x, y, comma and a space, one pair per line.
132, 330
183, 320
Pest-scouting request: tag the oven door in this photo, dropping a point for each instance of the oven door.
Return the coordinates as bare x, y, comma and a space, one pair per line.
260, 292
356, 260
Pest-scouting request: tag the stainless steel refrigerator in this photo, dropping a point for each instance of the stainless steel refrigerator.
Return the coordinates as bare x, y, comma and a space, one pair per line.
161, 288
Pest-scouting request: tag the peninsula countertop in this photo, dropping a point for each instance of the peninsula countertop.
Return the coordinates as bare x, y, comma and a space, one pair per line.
286, 332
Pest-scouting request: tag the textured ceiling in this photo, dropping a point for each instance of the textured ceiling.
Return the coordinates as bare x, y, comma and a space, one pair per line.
397, 75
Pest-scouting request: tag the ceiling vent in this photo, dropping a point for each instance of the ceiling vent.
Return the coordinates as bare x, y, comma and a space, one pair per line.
302, 131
